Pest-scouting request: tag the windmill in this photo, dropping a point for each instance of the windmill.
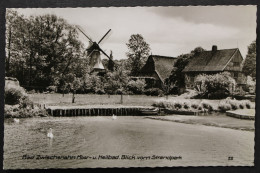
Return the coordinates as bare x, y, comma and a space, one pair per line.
93, 52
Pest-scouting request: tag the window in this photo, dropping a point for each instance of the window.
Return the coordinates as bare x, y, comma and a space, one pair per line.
235, 75
236, 64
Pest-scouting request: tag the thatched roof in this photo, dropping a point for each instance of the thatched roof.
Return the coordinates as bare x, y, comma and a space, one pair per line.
162, 65
210, 61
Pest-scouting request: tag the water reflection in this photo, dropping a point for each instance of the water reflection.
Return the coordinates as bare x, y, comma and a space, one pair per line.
50, 140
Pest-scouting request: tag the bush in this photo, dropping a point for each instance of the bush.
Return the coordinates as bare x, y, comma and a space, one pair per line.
177, 105
31, 92
207, 106
18, 104
25, 102
248, 104
137, 86
116, 82
216, 86
12, 96
174, 90
223, 107
153, 92
194, 105
52, 88
15, 112
163, 104
241, 106
238, 104
186, 105
234, 104
220, 94
100, 91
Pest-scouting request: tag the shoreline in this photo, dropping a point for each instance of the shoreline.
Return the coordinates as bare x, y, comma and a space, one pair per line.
198, 122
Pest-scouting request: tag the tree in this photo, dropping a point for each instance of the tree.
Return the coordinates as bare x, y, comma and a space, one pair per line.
177, 79
110, 64
41, 50
117, 81
138, 52
15, 31
249, 67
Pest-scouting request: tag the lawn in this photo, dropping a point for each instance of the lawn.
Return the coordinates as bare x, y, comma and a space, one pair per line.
56, 99
91, 99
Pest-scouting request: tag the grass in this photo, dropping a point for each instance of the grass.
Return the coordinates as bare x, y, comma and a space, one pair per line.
92, 99
174, 103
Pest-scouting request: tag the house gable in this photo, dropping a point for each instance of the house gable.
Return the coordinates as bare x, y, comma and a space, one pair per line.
148, 70
235, 63
160, 66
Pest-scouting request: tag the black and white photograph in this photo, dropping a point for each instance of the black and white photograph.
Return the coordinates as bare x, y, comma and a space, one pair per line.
121, 87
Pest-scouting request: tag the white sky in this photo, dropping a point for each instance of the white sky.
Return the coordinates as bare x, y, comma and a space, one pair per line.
170, 31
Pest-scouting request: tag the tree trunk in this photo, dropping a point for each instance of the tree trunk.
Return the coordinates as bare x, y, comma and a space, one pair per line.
121, 100
30, 70
73, 97
9, 52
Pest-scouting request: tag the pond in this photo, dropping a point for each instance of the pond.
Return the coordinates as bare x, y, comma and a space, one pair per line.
82, 142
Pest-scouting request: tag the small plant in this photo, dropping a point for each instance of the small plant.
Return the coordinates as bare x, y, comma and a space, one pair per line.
223, 107
248, 104
155, 104
159, 104
234, 104
241, 106
177, 105
207, 106
169, 105
186, 106
194, 105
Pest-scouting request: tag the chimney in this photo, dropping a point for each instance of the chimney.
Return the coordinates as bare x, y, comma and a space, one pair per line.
214, 48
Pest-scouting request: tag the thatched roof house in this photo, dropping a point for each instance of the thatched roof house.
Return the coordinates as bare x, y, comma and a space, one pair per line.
215, 61
157, 68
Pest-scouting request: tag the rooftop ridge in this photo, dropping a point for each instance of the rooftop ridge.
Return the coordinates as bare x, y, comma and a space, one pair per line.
220, 50
160, 56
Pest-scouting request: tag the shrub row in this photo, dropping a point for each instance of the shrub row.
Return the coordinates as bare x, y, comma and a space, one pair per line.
229, 104
184, 105
14, 112
187, 105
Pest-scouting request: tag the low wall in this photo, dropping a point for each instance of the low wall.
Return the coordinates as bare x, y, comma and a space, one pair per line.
96, 111
240, 115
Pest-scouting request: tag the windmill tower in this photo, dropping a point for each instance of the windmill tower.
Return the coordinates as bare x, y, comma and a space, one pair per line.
93, 52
